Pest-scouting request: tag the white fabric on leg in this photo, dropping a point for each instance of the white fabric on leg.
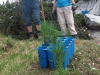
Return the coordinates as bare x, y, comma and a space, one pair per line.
70, 20
61, 20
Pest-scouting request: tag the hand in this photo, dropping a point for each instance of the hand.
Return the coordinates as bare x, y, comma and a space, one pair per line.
73, 7
53, 12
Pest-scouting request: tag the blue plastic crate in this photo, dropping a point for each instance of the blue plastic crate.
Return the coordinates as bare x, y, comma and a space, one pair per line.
85, 12
70, 47
66, 58
42, 53
68, 41
47, 57
52, 58
60, 39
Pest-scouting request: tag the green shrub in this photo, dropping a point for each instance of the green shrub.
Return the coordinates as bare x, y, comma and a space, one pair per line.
49, 32
12, 22
81, 27
79, 20
48, 14
48, 11
11, 19
77, 1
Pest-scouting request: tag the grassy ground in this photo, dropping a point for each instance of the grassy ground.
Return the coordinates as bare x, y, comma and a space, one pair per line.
20, 57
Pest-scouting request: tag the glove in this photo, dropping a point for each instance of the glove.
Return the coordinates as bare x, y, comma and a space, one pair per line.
73, 7
53, 12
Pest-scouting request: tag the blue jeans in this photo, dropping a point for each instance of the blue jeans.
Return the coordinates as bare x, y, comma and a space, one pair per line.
31, 12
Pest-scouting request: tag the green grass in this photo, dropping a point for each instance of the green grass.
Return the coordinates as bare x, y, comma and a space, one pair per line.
20, 57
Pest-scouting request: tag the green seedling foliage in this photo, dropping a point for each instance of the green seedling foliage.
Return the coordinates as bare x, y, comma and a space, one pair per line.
49, 32
59, 53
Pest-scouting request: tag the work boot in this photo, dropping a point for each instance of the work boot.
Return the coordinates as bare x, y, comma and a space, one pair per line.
31, 37
76, 39
39, 36
75, 36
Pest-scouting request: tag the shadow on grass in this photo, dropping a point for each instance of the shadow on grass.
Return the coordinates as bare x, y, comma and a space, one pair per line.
35, 69
22, 36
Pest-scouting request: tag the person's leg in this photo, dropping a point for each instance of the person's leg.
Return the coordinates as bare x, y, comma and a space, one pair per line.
38, 27
61, 20
29, 29
70, 20
36, 16
28, 18
30, 33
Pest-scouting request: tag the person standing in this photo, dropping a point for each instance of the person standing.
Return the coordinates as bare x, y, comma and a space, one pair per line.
31, 11
65, 10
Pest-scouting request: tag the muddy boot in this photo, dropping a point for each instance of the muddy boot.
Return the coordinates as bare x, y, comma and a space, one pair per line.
75, 36
31, 37
39, 36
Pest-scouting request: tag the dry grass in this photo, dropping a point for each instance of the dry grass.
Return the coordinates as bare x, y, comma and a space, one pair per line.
20, 57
